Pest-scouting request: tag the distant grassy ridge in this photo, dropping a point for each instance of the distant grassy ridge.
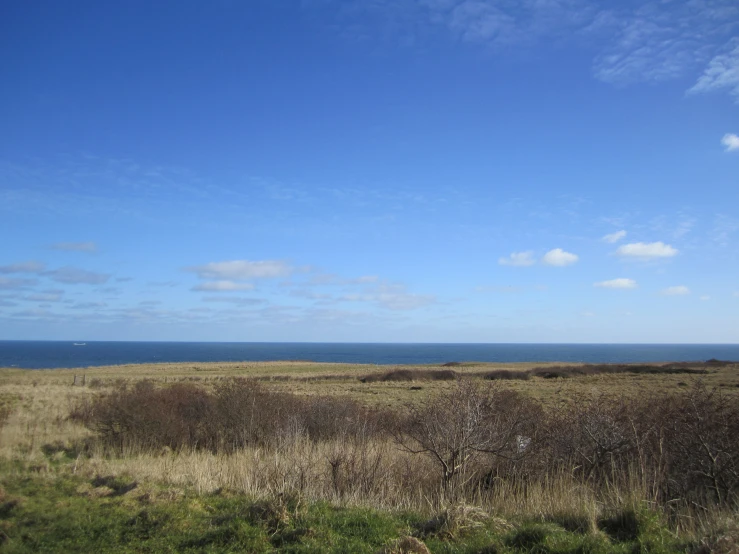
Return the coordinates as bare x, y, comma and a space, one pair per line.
549, 372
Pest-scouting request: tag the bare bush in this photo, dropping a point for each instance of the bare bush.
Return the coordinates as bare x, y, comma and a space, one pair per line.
508, 375
411, 375
702, 441
150, 418
568, 371
458, 427
474, 439
238, 413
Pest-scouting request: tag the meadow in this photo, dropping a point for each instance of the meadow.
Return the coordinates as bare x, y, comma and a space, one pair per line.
308, 457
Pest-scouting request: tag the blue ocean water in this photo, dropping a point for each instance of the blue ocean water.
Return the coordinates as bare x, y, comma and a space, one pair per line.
60, 354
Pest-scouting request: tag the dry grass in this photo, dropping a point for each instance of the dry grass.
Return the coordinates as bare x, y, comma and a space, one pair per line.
309, 378
455, 521
38, 435
406, 545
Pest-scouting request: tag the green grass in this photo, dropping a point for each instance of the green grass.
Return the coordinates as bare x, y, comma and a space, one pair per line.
59, 512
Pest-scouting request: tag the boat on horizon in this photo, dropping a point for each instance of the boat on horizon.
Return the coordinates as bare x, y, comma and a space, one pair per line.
79, 344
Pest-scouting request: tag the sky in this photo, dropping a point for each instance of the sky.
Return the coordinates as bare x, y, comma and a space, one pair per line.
370, 170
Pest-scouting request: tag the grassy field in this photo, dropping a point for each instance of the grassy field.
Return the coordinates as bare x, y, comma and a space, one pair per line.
63, 490
344, 379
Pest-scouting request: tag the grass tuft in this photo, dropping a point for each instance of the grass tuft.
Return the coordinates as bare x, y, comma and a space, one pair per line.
406, 545
455, 521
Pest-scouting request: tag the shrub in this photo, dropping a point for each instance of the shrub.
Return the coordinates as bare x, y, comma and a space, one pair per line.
470, 421
507, 374
702, 447
411, 375
680, 449
238, 413
568, 371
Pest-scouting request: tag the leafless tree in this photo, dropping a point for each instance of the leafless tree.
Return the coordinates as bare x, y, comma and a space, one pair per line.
471, 420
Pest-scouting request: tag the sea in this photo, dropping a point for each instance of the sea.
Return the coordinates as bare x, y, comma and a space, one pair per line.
68, 354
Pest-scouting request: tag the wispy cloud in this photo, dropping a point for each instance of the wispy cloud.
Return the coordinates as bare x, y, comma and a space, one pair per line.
238, 300
396, 297
53, 295
620, 283
75, 276
731, 140
162, 284
724, 229
721, 73
7, 283
559, 257
518, 259
648, 41
647, 250
391, 296
23, 267
614, 237
88, 305
679, 290
89, 247
657, 41
242, 270
222, 286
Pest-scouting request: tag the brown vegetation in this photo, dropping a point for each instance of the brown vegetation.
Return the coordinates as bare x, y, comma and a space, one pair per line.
551, 372
681, 449
238, 413
582, 452
411, 375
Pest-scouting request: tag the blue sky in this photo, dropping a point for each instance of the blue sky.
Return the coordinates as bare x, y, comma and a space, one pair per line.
408, 170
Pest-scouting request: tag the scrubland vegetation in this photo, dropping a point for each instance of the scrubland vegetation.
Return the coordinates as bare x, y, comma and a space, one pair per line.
316, 458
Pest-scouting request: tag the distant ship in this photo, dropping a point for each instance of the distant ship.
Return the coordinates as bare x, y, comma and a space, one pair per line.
80, 344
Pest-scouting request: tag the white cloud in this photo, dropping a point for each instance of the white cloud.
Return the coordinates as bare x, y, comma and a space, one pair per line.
679, 290
647, 250
23, 267
75, 246
559, 257
242, 270
220, 286
730, 141
518, 259
620, 283
614, 237
705, 297
722, 72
